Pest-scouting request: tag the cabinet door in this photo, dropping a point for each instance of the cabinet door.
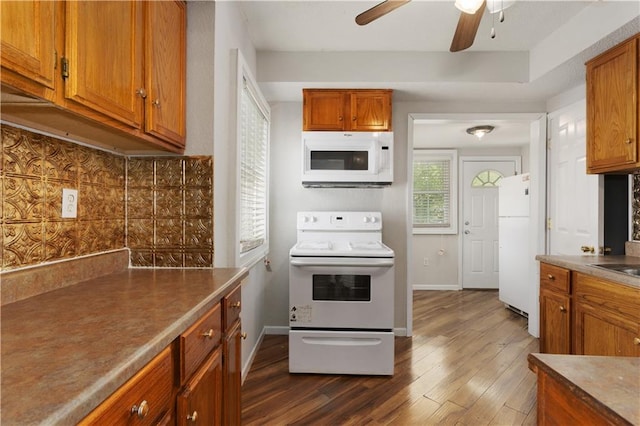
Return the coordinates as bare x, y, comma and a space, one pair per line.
165, 68
601, 333
201, 400
27, 45
103, 45
612, 89
323, 110
370, 110
555, 323
232, 376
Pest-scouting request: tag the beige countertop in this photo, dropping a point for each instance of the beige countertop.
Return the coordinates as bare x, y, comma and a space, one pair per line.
583, 264
609, 384
65, 351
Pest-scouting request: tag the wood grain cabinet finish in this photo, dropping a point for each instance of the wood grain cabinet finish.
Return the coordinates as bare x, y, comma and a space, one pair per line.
198, 341
607, 317
121, 68
200, 401
555, 309
356, 110
27, 46
232, 359
146, 399
613, 113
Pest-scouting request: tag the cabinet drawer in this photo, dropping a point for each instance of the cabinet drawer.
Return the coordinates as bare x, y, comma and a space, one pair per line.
198, 341
554, 278
601, 295
231, 304
144, 399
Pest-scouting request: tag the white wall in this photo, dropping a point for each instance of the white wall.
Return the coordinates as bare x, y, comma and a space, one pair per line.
214, 31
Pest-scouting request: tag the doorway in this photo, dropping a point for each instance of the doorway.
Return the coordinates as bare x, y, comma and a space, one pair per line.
479, 216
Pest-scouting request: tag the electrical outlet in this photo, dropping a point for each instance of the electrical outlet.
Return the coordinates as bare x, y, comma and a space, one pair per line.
425, 261
69, 203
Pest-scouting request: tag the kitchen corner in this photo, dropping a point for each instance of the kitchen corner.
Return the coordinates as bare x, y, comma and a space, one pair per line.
65, 351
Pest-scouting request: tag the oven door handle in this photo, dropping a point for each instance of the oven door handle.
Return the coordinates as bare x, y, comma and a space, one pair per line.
371, 262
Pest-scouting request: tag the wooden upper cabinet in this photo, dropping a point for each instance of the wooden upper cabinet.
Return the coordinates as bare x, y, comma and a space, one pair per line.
28, 46
355, 110
370, 110
165, 69
612, 109
103, 46
323, 109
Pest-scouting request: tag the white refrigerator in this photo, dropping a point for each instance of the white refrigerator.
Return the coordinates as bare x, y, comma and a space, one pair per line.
513, 242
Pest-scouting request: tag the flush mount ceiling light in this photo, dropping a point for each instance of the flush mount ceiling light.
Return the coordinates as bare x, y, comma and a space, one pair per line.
480, 131
469, 6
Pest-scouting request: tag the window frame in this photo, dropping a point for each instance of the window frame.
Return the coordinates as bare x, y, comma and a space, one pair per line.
450, 155
244, 77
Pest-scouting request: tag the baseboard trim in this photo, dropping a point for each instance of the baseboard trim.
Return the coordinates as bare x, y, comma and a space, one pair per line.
420, 287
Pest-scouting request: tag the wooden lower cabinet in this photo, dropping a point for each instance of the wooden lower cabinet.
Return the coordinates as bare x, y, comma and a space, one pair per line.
555, 310
584, 315
200, 402
607, 318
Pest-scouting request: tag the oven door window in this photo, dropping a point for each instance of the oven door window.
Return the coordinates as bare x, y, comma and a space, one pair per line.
340, 160
348, 288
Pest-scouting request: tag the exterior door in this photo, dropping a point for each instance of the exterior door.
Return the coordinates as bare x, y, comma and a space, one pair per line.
574, 219
480, 221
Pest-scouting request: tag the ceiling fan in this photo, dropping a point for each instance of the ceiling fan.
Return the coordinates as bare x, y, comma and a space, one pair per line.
470, 16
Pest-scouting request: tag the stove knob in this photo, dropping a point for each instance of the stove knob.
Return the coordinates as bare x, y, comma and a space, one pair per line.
365, 219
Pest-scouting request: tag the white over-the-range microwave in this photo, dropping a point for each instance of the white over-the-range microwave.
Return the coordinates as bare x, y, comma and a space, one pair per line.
347, 160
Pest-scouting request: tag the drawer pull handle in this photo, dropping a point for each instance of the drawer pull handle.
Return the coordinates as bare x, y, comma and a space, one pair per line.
193, 417
140, 410
244, 336
563, 309
636, 340
208, 334
236, 305
551, 277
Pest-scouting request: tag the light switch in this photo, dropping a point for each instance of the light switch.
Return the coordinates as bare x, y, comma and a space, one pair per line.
69, 203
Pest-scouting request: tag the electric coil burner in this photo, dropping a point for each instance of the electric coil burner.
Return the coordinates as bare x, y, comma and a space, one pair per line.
341, 295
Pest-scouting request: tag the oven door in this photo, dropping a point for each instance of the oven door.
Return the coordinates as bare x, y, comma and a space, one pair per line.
341, 293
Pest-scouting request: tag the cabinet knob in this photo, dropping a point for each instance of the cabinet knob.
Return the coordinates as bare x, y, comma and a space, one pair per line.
235, 305
208, 334
636, 340
628, 141
340, 118
193, 417
551, 277
156, 103
563, 309
140, 410
142, 93
354, 118
243, 335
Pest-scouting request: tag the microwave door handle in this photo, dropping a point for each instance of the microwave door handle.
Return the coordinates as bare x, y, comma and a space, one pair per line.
371, 262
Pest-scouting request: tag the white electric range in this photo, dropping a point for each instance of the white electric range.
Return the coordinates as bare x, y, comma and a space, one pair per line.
341, 295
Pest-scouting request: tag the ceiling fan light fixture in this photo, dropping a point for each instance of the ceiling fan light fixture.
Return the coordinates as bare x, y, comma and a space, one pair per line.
496, 6
469, 6
480, 131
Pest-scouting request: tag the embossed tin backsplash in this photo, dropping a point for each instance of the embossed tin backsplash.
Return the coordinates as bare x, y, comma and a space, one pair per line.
169, 204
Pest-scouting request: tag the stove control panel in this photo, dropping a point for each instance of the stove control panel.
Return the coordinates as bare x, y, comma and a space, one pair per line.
343, 221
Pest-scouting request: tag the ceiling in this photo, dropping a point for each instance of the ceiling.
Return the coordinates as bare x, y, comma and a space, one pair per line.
417, 26
292, 33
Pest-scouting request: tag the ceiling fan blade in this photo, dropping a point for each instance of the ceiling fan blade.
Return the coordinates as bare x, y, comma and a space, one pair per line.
466, 30
379, 10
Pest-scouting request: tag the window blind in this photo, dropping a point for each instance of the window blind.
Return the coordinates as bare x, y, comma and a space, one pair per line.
254, 136
431, 192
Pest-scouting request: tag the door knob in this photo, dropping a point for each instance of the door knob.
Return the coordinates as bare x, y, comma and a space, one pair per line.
588, 249
467, 232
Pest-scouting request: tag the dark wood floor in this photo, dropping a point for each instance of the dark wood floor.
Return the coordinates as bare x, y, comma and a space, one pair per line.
465, 365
